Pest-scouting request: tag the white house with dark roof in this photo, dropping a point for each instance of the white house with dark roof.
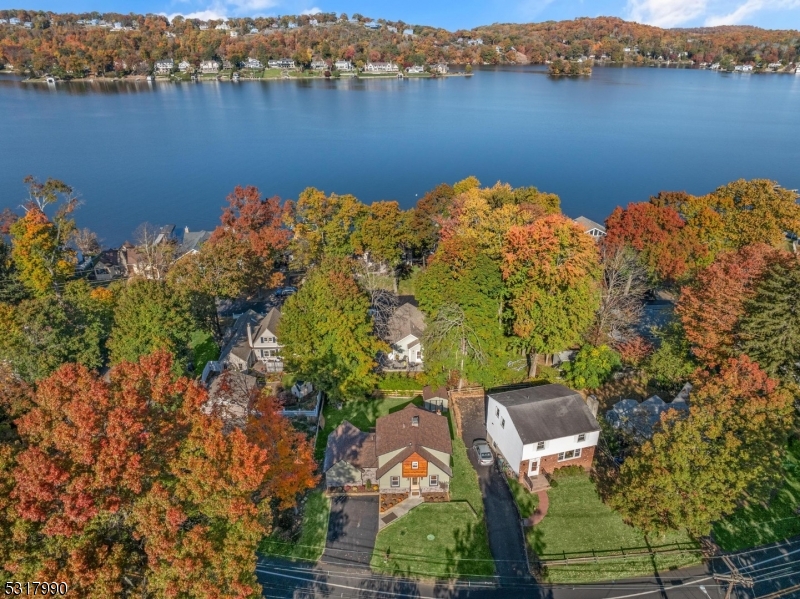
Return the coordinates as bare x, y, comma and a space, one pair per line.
254, 342
164, 67
590, 227
405, 328
540, 429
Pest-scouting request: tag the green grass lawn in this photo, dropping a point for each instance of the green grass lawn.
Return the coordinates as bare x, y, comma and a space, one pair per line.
458, 549
361, 414
311, 541
526, 501
754, 524
464, 484
399, 382
578, 521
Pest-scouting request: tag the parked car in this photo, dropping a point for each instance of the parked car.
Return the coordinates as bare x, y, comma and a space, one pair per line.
286, 291
485, 457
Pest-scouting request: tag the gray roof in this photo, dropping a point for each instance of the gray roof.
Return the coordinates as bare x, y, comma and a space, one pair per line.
641, 419
348, 443
547, 412
192, 240
406, 320
238, 343
588, 224
268, 323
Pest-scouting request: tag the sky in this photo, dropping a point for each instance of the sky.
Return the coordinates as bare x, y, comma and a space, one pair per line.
457, 14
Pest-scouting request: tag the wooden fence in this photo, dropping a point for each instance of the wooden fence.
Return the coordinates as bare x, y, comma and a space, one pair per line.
550, 560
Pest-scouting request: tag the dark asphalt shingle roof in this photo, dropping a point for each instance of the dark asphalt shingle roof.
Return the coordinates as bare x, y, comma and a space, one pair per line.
395, 431
547, 412
350, 444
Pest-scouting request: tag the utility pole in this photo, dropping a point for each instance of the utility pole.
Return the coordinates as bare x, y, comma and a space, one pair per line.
733, 578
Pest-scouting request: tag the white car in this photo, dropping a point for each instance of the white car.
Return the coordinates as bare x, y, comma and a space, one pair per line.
485, 457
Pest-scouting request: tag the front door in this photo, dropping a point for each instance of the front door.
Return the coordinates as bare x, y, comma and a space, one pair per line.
533, 468
415, 484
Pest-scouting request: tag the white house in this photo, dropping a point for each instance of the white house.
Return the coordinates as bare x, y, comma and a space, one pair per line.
282, 63
590, 227
233, 33
381, 67
319, 65
405, 328
440, 68
253, 63
184, 66
343, 65
209, 66
540, 429
415, 69
222, 27
254, 342
164, 67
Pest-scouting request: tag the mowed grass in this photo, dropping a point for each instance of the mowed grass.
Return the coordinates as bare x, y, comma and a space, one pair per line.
310, 543
458, 549
464, 484
526, 501
577, 521
362, 414
756, 524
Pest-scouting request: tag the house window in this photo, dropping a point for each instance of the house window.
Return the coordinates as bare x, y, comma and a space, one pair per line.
497, 412
540, 446
395, 481
581, 437
415, 421
271, 339
503, 423
415, 465
434, 480
569, 455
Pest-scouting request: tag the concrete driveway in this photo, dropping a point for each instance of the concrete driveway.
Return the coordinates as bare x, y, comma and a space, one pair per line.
502, 519
352, 528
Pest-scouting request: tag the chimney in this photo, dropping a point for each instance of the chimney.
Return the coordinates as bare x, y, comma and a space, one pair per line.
249, 335
593, 404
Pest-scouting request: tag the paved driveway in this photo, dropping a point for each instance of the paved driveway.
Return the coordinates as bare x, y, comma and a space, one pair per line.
502, 519
352, 529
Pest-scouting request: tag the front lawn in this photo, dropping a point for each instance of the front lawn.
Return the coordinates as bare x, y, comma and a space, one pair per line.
578, 523
755, 524
310, 542
362, 414
526, 501
458, 547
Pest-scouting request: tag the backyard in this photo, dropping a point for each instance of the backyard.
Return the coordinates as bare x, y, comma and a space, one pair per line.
755, 524
579, 525
310, 542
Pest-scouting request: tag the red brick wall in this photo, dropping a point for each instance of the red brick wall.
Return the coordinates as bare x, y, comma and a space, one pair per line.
549, 463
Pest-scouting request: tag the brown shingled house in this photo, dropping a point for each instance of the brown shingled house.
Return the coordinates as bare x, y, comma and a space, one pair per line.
409, 453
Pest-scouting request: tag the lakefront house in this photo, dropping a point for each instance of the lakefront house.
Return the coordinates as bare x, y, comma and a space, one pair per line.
405, 328
381, 67
254, 343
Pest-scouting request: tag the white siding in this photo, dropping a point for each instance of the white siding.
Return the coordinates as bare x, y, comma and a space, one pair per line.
555, 446
506, 438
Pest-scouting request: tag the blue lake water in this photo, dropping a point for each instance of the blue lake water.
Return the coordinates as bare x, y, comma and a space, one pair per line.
169, 153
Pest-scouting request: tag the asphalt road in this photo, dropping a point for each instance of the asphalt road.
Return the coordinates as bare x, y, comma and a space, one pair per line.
502, 519
352, 529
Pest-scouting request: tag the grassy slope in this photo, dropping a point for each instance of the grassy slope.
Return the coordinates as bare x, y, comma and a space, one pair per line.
311, 542
577, 520
754, 524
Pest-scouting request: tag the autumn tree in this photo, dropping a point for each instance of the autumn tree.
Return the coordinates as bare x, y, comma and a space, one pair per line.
124, 487
698, 469
290, 467
769, 330
426, 217
383, 234
326, 332
39, 245
551, 271
591, 367
149, 316
712, 305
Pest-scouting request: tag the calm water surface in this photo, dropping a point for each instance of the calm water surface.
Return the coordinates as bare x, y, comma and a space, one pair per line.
169, 153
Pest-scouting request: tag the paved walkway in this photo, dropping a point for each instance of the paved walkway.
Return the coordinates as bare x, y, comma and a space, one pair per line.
398, 511
541, 510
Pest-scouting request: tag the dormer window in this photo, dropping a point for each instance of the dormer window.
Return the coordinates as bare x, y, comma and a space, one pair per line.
415, 421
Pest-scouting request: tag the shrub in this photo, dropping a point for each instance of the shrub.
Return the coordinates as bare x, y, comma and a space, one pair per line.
591, 367
566, 471
634, 351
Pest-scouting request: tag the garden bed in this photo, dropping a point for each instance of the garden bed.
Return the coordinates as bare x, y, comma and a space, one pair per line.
389, 500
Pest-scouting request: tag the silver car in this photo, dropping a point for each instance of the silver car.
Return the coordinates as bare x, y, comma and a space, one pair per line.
485, 457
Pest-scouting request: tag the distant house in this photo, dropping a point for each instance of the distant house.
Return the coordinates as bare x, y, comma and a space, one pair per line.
164, 67
233, 33
27, 25
440, 68
415, 69
253, 63
227, 64
191, 242
254, 342
381, 67
108, 266
404, 334
435, 400
313, 22
409, 454
372, 25
743, 68
203, 27
319, 65
209, 67
343, 65
222, 26
281, 63
590, 227
292, 25
391, 28
408, 32
184, 66
13, 21
253, 30
475, 42
540, 429
640, 419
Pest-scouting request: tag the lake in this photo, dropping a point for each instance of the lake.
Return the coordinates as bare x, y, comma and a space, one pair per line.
169, 153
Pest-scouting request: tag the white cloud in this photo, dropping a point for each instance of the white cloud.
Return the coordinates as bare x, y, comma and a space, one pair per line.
210, 14
311, 11
531, 8
665, 13
747, 9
